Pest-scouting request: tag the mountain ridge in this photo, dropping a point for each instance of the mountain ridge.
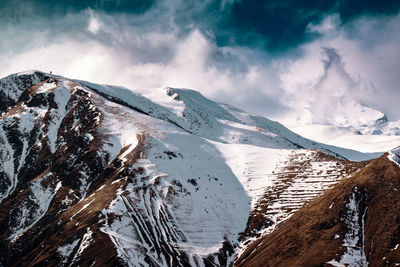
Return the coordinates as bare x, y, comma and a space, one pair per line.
289, 137
169, 182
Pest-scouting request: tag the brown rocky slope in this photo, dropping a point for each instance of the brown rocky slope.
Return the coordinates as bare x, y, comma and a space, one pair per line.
356, 223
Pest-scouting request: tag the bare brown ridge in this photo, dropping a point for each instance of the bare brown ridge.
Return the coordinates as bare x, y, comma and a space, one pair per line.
314, 235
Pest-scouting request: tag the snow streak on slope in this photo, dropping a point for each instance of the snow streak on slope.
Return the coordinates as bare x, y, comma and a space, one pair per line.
66, 250
354, 218
39, 198
62, 95
306, 179
15, 116
15, 147
394, 155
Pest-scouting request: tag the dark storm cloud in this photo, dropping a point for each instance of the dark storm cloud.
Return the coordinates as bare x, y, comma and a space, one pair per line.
279, 25
17, 9
273, 25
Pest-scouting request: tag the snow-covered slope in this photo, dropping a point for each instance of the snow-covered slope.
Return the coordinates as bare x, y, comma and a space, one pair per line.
280, 182
196, 114
102, 175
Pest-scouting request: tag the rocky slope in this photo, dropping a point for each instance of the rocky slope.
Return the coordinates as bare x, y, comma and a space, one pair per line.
99, 175
356, 223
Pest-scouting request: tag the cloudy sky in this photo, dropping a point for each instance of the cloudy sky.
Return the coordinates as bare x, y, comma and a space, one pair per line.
294, 61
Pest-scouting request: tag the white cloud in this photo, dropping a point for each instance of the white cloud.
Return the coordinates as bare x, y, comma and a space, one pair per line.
347, 67
94, 23
329, 25
122, 52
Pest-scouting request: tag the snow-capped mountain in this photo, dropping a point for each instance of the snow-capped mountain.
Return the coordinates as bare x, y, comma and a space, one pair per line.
381, 127
100, 175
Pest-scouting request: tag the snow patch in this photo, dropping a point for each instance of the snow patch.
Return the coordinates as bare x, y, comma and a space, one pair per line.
333, 262
354, 238
61, 96
394, 156
84, 207
86, 239
118, 132
46, 87
253, 166
27, 72
32, 209
84, 244
66, 250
